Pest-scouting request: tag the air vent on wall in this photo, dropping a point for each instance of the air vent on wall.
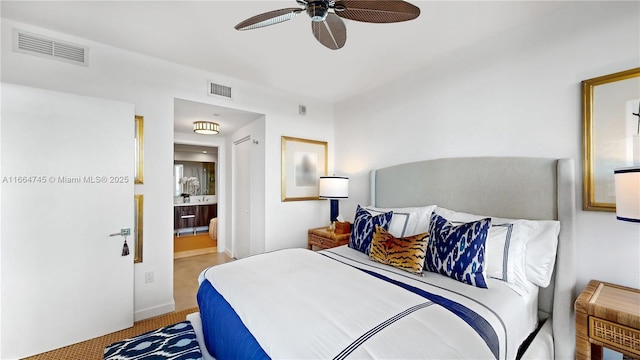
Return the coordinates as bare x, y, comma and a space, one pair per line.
219, 90
29, 43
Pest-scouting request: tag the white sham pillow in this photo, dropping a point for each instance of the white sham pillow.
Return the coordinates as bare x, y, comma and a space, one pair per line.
505, 248
406, 221
540, 258
541, 252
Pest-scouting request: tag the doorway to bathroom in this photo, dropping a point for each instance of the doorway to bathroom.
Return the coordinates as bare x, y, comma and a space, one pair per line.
195, 200
232, 124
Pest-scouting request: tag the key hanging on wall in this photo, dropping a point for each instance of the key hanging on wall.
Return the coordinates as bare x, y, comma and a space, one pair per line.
125, 247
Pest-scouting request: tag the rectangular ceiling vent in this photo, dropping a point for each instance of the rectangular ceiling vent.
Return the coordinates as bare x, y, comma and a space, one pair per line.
29, 43
219, 90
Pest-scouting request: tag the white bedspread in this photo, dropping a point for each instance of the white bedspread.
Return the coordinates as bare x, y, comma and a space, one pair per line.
302, 304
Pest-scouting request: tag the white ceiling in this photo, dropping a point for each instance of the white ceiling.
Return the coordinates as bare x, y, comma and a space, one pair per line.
286, 56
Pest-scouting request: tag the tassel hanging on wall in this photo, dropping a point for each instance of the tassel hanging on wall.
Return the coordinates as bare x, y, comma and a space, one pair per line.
125, 248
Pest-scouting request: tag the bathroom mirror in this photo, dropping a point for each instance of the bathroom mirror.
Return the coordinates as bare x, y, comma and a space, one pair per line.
194, 178
611, 134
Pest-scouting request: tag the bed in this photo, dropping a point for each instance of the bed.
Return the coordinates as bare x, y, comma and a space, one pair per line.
338, 303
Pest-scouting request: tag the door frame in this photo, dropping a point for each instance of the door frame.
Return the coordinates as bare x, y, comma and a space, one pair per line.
221, 174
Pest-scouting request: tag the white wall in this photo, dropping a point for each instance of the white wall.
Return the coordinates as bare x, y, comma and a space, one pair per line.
152, 85
514, 95
286, 223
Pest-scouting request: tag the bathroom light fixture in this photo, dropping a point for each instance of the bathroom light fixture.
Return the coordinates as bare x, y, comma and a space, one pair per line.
206, 127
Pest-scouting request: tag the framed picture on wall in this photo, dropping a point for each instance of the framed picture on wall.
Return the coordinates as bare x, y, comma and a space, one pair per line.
303, 162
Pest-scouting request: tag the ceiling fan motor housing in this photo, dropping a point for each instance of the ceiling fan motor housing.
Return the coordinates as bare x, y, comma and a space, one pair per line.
318, 10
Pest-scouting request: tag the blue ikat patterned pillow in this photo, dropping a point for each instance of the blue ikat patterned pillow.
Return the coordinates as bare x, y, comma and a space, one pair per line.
173, 342
364, 225
458, 251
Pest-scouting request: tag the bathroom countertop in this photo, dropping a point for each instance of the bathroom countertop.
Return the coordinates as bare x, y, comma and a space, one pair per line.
195, 203
195, 200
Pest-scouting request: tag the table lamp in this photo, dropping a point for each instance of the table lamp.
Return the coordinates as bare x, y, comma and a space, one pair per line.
627, 183
333, 188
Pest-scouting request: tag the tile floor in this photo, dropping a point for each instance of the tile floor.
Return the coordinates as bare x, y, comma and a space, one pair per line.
185, 277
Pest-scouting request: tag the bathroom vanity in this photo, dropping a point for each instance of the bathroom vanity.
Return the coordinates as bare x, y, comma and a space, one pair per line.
193, 216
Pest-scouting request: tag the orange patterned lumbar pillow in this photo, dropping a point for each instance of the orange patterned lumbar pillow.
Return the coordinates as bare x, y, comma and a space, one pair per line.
407, 253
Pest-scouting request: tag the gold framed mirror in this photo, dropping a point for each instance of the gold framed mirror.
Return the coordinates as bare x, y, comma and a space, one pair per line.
611, 134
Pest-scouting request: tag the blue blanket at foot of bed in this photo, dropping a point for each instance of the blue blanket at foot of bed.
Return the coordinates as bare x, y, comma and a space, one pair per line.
226, 337
173, 342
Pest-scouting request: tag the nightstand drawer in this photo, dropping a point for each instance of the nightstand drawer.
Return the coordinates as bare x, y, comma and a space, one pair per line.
322, 238
614, 334
319, 241
324, 242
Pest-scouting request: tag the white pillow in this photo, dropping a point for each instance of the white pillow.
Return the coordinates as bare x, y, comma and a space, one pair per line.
406, 221
541, 252
540, 257
506, 246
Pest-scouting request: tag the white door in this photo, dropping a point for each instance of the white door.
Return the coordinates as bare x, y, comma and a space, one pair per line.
241, 198
67, 167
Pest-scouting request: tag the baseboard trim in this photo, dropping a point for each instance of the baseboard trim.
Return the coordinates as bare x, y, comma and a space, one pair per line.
154, 311
195, 252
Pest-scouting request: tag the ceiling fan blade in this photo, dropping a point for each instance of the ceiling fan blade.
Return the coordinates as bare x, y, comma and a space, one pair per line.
331, 32
388, 11
268, 18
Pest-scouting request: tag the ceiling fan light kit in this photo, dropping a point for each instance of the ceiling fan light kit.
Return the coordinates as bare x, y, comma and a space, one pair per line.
317, 10
326, 23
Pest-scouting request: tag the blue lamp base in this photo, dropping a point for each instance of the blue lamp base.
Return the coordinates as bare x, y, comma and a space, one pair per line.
334, 209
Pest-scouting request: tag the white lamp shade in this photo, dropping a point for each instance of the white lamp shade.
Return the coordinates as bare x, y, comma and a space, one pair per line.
627, 182
334, 187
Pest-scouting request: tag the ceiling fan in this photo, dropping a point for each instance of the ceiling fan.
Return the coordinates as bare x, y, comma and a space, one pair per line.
326, 23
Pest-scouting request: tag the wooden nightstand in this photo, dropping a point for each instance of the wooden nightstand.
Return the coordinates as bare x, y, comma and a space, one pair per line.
607, 315
323, 238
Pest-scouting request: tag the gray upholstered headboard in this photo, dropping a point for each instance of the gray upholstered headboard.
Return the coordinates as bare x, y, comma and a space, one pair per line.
509, 187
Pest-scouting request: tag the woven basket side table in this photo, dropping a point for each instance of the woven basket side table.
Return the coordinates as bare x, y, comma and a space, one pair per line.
607, 315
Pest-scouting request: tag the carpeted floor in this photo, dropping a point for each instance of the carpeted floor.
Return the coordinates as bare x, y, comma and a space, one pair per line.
185, 277
94, 349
